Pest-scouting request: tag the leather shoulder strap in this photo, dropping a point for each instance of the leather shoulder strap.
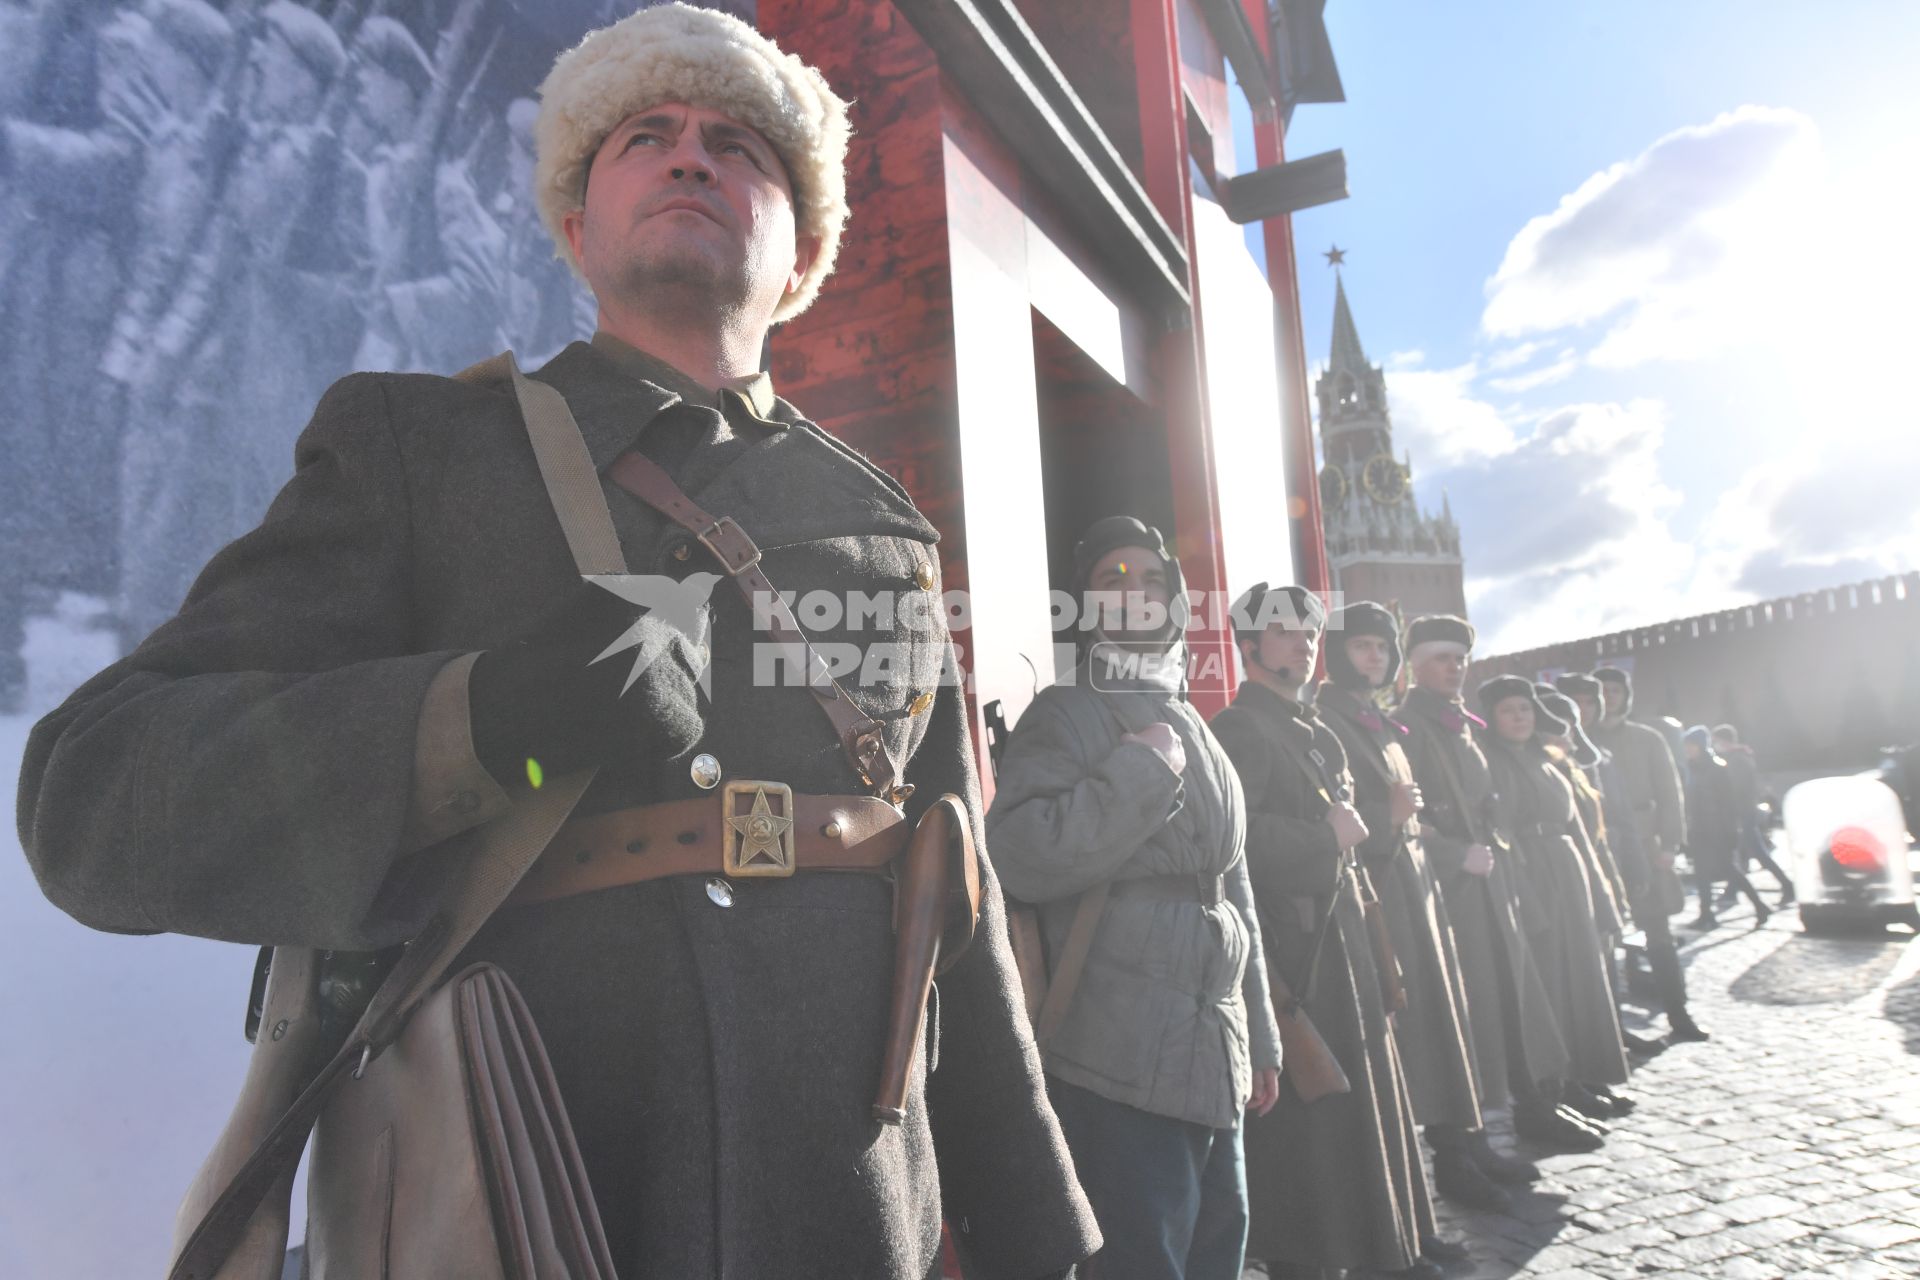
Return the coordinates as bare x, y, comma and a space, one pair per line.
860, 735
1468, 816
507, 847
1073, 962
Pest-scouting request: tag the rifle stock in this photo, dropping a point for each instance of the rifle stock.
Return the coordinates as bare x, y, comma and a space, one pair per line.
1305, 1060
1393, 986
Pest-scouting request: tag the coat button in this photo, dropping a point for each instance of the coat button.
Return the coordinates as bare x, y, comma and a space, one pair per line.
705, 771
923, 574
719, 892
920, 703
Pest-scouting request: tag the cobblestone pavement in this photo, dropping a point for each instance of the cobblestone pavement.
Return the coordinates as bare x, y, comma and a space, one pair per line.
1788, 1146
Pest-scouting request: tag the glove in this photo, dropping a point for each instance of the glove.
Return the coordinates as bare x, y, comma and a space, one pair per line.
542, 697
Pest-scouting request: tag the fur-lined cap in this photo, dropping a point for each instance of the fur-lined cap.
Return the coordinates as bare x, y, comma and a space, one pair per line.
678, 53
1362, 618
1443, 627
1567, 712
1619, 676
1262, 605
1578, 684
1500, 688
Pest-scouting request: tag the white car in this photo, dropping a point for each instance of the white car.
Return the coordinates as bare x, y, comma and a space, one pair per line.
1850, 850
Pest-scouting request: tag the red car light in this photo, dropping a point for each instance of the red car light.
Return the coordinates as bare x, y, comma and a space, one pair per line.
1858, 849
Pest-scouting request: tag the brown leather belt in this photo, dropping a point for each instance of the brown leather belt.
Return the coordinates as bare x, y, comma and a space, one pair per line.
748, 828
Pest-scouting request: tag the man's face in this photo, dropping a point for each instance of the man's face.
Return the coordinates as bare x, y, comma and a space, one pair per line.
1615, 694
1443, 672
1589, 708
683, 197
1513, 718
1370, 656
385, 103
1131, 595
1289, 650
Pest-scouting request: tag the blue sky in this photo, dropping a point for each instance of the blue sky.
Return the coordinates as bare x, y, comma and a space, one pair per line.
1643, 279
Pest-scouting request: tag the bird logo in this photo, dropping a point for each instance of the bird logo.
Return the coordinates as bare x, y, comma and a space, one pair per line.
672, 605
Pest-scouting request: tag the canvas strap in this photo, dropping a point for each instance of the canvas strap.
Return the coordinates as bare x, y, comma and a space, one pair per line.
507, 847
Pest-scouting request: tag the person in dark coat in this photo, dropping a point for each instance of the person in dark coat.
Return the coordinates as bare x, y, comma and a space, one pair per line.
1338, 1182
1115, 804
1536, 810
1753, 845
1574, 756
1436, 1045
1628, 836
1518, 1045
1713, 828
306, 753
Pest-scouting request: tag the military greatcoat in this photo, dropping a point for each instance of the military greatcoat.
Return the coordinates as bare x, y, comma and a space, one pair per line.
263, 769
1436, 1047
1336, 1182
1513, 1023
1535, 810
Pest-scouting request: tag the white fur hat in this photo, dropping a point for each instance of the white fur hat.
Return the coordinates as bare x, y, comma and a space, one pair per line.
679, 53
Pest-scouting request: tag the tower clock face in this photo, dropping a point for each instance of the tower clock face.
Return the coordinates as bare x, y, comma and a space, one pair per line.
1385, 478
1333, 486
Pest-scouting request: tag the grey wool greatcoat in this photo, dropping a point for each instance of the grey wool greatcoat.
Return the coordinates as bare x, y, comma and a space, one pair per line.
1336, 1182
1436, 1048
1536, 812
1649, 783
1172, 1014
288, 761
1513, 1023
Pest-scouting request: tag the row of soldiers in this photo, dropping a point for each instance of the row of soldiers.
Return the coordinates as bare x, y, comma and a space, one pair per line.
209, 212
1422, 904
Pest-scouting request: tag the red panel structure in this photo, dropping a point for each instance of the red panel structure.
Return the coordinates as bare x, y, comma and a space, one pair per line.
1002, 337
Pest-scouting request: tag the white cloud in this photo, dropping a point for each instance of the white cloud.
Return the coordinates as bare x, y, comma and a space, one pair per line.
1819, 517
1713, 247
1678, 249
1407, 359
1437, 418
1514, 357
1545, 376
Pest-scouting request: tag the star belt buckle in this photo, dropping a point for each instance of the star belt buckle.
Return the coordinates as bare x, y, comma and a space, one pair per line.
759, 839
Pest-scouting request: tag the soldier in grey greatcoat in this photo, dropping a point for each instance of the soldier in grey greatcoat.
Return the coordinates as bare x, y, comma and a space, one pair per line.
1114, 799
1337, 1182
306, 754
1518, 1045
1641, 783
1436, 1043
1547, 844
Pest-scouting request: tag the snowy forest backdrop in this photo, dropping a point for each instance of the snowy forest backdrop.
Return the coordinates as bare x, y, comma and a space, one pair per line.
208, 213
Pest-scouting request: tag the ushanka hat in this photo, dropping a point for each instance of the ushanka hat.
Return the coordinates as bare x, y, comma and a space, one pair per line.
1364, 618
1500, 688
1577, 684
1113, 532
679, 53
1263, 604
1439, 629
1615, 675
1563, 708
